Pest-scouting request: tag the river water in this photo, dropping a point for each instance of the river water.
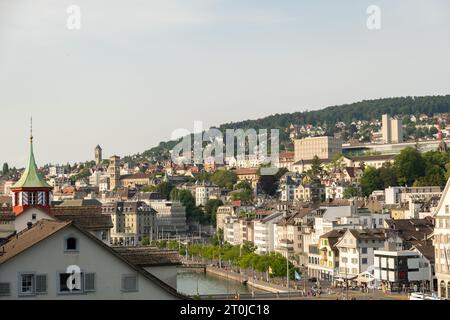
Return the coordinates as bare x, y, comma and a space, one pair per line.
189, 282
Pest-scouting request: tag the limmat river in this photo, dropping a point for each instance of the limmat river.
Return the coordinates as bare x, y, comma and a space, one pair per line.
188, 282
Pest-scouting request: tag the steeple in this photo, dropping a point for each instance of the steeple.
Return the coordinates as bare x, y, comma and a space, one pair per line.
31, 189
31, 177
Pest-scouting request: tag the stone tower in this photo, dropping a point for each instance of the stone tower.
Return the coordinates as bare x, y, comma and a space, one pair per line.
98, 155
114, 172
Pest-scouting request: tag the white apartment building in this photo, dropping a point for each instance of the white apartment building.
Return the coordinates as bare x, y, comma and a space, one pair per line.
264, 233
232, 230
402, 195
356, 251
222, 213
289, 183
204, 192
57, 171
170, 216
323, 147
336, 190
406, 267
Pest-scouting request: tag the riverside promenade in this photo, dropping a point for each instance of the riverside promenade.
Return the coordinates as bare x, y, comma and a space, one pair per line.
257, 284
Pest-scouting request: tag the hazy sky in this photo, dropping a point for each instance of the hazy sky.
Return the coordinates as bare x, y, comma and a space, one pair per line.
138, 70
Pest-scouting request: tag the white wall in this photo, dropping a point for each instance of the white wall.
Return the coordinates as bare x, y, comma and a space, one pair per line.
48, 257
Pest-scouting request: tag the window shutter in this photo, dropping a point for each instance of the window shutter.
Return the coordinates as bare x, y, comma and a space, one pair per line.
89, 282
5, 289
41, 283
129, 283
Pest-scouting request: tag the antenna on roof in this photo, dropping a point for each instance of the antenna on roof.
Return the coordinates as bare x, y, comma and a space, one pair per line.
31, 129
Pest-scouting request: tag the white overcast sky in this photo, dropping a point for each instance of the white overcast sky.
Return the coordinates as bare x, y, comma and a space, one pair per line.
138, 70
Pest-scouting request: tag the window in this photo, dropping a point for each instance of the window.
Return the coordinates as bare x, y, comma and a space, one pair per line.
344, 260
447, 209
70, 283
89, 282
5, 289
33, 216
41, 284
26, 285
364, 250
129, 283
33, 198
364, 261
71, 244
354, 261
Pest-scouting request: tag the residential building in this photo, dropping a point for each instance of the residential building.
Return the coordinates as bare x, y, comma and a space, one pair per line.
205, 191
135, 180
356, 250
405, 268
37, 263
325, 148
57, 171
401, 195
222, 213
376, 161
132, 222
442, 244
264, 232
170, 217
249, 175
328, 265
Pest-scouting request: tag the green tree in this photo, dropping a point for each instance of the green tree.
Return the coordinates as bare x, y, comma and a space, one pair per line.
387, 175
316, 166
370, 181
145, 241
211, 209
350, 192
149, 188
269, 183
224, 179
188, 201
5, 170
409, 166
164, 188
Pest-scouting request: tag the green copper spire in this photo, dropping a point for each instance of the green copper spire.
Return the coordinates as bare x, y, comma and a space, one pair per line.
31, 177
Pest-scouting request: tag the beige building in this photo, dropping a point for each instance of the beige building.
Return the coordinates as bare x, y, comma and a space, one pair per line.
248, 174
135, 180
132, 222
442, 243
322, 147
391, 130
222, 213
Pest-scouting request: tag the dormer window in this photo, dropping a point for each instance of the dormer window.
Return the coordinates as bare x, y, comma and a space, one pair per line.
33, 216
71, 244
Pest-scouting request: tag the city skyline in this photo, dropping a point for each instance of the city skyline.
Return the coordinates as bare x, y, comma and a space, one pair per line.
132, 75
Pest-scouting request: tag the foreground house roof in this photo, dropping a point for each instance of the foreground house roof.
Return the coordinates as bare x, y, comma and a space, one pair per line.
44, 229
149, 256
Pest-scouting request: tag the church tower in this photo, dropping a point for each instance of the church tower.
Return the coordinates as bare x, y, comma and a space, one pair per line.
31, 191
98, 155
